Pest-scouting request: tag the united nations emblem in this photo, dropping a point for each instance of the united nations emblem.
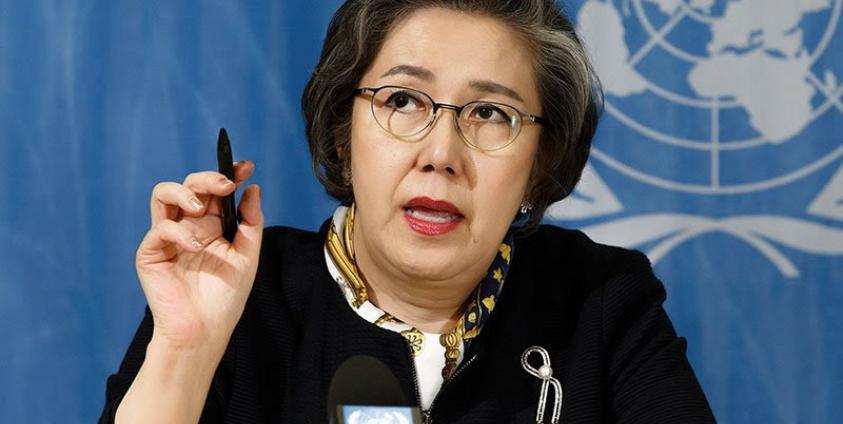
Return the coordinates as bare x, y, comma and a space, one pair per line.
719, 103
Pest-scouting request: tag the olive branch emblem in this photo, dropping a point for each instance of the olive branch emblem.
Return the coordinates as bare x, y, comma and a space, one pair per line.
669, 230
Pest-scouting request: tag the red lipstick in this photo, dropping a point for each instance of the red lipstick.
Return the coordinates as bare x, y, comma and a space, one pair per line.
431, 217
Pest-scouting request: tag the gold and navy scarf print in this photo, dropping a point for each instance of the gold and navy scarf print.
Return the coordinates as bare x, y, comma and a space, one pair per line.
488, 291
479, 308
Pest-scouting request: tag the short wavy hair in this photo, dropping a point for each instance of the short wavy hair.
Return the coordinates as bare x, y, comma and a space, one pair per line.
569, 90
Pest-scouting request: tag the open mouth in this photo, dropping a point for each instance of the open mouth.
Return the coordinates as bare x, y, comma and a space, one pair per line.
432, 217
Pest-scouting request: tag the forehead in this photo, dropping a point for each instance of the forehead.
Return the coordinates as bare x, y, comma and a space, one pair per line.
457, 48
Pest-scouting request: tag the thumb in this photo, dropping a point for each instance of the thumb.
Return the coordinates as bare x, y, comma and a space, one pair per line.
250, 231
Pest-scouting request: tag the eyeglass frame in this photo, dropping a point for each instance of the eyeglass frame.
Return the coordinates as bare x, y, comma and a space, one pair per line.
457, 112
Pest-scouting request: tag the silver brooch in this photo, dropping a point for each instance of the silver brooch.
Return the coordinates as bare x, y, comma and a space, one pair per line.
545, 373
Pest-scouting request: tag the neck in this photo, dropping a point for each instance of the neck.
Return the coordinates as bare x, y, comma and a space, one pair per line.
430, 306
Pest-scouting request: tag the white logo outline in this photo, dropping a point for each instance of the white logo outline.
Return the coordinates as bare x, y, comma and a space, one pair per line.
593, 197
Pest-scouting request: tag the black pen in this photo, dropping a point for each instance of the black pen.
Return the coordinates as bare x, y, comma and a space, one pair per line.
225, 162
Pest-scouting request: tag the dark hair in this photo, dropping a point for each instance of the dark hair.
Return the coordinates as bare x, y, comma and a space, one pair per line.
569, 91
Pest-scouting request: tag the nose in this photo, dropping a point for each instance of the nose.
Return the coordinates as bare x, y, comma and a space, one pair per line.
442, 149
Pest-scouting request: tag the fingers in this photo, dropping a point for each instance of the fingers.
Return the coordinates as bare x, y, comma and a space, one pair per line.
160, 242
249, 233
250, 206
167, 236
170, 200
242, 171
209, 183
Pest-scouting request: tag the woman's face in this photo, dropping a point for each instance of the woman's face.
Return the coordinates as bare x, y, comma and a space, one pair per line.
436, 209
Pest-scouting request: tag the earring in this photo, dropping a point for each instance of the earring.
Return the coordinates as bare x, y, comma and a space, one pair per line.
526, 207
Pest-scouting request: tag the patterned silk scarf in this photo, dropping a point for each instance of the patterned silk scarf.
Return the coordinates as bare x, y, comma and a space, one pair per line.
483, 300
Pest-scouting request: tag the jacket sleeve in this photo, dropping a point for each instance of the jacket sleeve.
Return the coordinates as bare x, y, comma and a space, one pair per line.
651, 379
118, 384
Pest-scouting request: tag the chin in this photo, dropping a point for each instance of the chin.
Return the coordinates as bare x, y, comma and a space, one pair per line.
430, 263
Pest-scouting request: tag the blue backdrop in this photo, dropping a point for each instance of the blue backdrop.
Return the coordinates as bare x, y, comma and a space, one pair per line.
719, 155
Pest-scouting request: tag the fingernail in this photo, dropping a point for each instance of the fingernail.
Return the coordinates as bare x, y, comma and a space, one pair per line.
196, 204
238, 163
195, 243
225, 181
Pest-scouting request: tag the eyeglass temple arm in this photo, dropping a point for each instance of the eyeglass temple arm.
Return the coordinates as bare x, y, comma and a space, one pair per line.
536, 119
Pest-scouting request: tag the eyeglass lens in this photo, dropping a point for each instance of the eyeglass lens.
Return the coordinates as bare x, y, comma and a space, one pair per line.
406, 112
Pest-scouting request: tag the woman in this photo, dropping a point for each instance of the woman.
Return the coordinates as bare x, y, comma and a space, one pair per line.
446, 128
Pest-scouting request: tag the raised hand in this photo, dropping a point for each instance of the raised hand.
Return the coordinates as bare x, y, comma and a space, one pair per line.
195, 282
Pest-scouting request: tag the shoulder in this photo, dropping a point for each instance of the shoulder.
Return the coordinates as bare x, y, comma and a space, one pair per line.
573, 251
618, 279
614, 303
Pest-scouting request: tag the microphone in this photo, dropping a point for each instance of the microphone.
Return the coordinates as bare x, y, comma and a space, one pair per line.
364, 390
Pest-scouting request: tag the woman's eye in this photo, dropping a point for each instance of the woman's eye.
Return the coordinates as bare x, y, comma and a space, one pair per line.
403, 99
489, 113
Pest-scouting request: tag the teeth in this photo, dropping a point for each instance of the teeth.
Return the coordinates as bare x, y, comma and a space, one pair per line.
435, 217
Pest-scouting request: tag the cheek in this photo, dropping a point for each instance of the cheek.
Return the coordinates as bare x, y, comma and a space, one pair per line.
509, 175
502, 184
377, 162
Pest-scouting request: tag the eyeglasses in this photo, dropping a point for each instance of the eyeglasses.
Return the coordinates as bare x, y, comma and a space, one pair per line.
405, 113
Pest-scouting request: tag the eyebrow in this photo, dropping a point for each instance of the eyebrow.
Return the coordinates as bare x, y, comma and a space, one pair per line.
425, 74
414, 71
492, 87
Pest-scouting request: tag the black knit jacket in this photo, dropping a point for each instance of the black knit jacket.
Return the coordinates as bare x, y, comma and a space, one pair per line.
596, 309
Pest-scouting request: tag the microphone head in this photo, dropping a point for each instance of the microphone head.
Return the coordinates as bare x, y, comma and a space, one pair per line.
364, 380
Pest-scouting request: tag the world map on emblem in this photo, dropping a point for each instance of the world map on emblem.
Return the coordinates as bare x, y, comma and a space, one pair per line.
718, 100
752, 81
